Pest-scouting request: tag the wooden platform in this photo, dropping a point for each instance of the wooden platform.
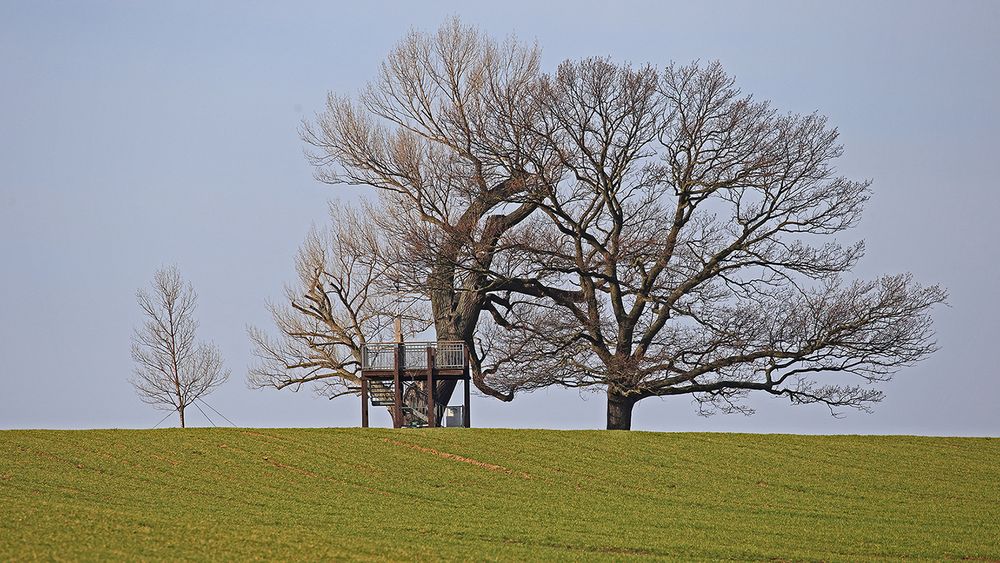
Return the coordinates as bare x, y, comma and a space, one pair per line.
427, 362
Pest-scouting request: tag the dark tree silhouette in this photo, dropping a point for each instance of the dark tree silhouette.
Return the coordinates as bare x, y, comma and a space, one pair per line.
688, 231
641, 231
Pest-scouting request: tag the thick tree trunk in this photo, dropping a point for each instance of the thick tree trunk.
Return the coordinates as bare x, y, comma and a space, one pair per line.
181, 411
620, 411
416, 398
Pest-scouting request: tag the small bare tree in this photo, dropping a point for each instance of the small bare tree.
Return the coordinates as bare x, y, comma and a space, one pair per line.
347, 294
172, 369
343, 299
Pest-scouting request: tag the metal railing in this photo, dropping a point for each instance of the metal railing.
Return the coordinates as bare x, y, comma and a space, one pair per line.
380, 355
450, 355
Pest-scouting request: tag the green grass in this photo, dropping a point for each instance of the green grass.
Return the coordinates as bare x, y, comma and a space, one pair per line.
494, 494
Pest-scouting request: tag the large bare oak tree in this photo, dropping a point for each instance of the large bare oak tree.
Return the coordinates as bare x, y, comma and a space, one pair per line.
691, 229
172, 369
442, 135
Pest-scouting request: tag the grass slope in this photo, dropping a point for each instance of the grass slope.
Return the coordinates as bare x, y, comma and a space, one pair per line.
493, 494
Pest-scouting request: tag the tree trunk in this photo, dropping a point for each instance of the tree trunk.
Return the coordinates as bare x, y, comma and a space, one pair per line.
181, 411
415, 394
620, 411
415, 397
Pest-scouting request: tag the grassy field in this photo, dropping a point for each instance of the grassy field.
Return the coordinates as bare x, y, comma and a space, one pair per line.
494, 494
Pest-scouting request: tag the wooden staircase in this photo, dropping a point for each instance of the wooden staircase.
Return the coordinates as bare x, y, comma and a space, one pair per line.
406, 369
414, 400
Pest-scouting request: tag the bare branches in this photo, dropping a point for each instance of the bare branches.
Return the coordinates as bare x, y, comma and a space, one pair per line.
682, 253
444, 133
441, 125
782, 343
172, 370
646, 231
343, 298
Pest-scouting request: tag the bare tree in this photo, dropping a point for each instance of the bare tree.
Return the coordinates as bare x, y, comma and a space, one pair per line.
344, 298
443, 134
649, 233
685, 249
172, 370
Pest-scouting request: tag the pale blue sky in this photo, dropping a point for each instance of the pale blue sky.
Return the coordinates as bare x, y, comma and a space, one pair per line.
134, 134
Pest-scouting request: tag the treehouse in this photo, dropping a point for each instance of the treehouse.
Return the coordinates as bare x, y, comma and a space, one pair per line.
415, 380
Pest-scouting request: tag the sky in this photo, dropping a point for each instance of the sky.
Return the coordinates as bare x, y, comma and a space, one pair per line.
138, 134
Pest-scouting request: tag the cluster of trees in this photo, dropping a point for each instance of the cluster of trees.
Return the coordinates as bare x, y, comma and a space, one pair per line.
638, 230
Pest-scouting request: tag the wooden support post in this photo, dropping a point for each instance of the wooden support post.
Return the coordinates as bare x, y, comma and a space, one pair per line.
397, 387
431, 411
465, 410
466, 419
364, 402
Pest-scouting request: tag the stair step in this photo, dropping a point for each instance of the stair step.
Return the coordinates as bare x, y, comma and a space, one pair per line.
383, 395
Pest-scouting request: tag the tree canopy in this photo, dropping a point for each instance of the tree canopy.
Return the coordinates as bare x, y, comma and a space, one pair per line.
641, 230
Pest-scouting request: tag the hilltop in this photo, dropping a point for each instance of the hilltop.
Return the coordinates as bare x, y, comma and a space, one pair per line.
504, 494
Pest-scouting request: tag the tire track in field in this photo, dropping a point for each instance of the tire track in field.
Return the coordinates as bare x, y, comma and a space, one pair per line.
456, 457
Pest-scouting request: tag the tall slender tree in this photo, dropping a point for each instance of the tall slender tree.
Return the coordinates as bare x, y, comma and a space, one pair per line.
172, 370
